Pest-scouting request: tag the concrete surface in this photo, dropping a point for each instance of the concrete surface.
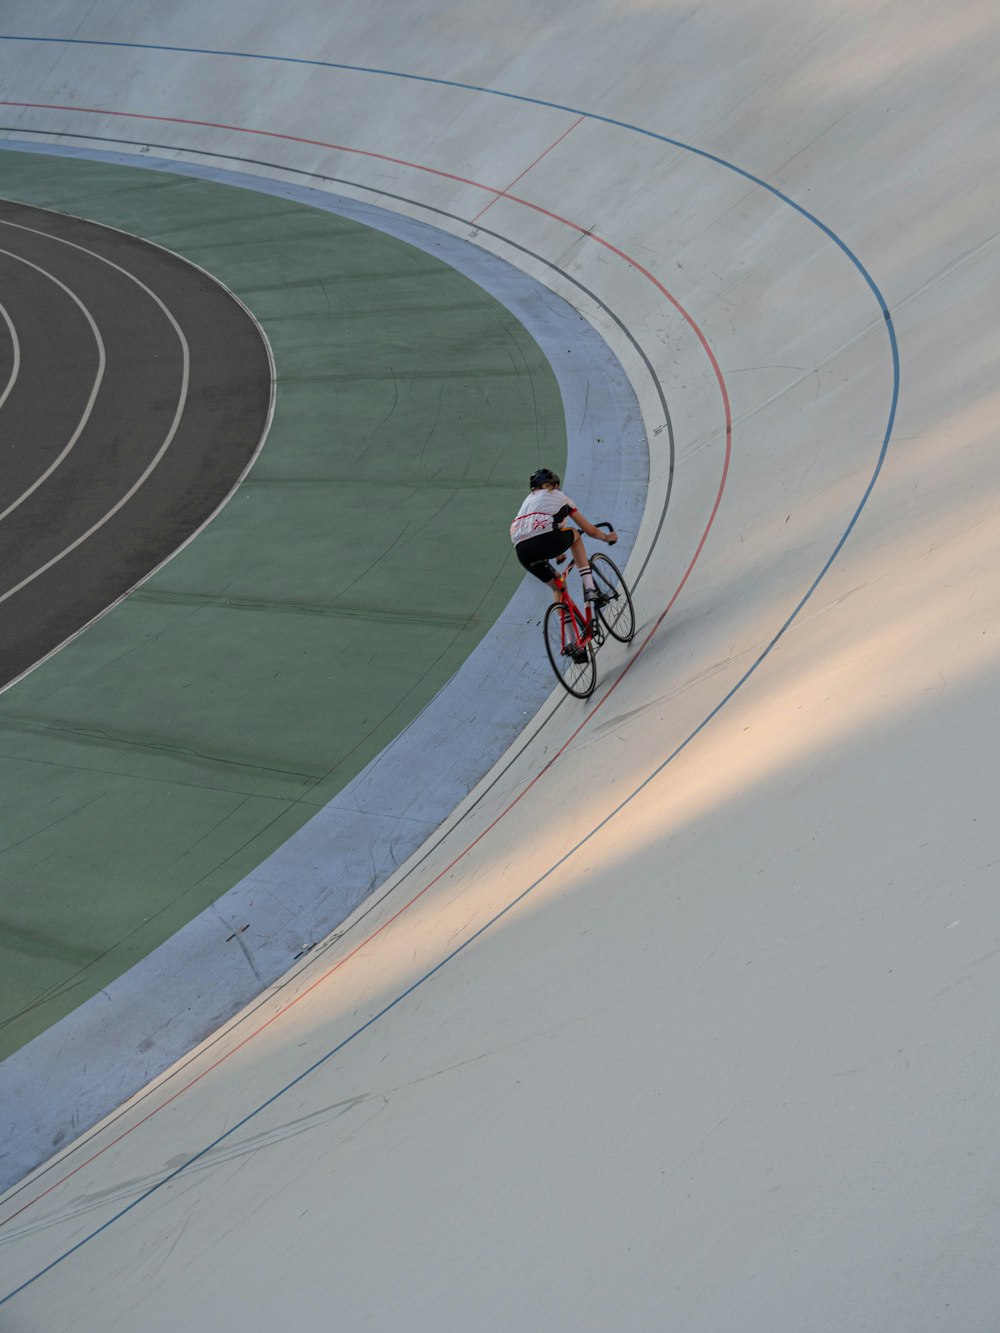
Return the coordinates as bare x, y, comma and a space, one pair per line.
689, 1024
153, 763
141, 1020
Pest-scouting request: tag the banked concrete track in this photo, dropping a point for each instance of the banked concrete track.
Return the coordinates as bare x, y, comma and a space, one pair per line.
685, 1019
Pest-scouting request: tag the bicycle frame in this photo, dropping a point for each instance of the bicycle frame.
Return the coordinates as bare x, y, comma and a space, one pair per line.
572, 648
586, 627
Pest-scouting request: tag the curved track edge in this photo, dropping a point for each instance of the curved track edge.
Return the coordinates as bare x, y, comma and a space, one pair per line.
71, 1076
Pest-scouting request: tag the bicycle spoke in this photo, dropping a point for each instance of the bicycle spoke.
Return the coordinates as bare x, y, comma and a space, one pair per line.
617, 613
572, 660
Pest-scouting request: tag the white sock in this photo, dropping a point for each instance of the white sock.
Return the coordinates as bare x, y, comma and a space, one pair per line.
588, 579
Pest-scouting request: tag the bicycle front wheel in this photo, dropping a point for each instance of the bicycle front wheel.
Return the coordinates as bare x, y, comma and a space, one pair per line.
618, 614
573, 661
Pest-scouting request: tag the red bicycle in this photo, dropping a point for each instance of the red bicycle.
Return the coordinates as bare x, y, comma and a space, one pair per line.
572, 636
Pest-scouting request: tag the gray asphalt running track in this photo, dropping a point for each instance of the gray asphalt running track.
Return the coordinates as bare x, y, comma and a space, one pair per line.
114, 395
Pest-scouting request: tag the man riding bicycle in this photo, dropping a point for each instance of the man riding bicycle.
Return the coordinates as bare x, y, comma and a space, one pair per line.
538, 534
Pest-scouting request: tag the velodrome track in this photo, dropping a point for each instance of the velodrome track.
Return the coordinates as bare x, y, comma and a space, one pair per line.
685, 1018
197, 727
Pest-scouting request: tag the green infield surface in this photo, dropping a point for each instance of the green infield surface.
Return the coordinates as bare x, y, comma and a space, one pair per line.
155, 760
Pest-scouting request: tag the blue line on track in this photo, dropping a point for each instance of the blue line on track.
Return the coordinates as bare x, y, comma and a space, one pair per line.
515, 97
894, 348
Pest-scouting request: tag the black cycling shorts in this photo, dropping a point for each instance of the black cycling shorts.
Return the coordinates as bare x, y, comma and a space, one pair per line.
536, 552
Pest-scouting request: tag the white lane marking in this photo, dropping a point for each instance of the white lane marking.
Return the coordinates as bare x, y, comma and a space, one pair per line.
168, 439
16, 346
101, 363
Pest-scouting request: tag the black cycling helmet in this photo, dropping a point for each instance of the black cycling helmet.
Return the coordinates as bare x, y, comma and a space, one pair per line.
542, 478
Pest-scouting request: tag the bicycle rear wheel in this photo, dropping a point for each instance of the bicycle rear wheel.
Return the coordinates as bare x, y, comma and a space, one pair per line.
573, 662
618, 614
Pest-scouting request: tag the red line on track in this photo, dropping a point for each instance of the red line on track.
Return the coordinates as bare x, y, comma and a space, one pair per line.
553, 144
639, 268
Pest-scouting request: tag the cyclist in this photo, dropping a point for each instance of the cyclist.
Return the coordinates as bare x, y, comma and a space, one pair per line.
538, 534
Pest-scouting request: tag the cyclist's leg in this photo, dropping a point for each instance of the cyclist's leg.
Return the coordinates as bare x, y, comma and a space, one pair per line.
535, 552
582, 562
579, 551
555, 585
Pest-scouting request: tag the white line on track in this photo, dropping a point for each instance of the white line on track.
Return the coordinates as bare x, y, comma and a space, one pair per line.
16, 348
101, 364
168, 438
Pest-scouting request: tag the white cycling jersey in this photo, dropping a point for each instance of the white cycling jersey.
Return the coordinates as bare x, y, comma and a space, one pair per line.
542, 511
